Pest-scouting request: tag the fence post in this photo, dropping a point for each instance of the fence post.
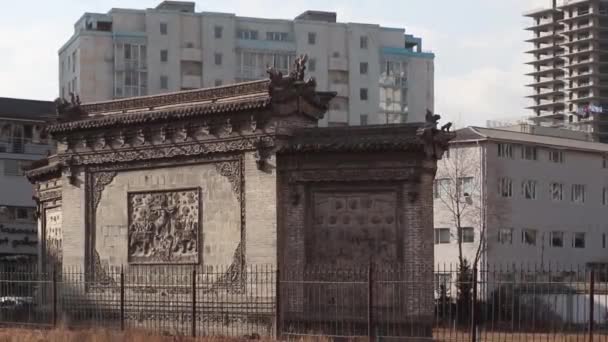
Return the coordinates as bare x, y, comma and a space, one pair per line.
122, 299
370, 302
278, 304
474, 307
194, 302
54, 294
591, 303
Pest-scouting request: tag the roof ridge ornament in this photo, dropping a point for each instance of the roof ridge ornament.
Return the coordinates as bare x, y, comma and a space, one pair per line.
68, 110
435, 139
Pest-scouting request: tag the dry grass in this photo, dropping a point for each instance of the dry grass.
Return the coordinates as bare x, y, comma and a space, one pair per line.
104, 335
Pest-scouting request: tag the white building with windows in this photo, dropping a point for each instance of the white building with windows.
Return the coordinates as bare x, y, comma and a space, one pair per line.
22, 140
533, 198
381, 74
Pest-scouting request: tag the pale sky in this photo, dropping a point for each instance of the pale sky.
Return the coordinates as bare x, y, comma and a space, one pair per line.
479, 63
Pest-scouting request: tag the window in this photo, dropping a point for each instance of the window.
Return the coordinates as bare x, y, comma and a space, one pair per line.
468, 235
528, 237
74, 61
443, 282
442, 236
557, 239
604, 240
363, 94
218, 83
12, 167
557, 191
163, 28
556, 156
605, 161
218, 59
505, 151
22, 214
528, 189
363, 42
247, 34
578, 240
442, 187
218, 31
312, 65
578, 193
528, 152
505, 187
164, 55
363, 66
465, 186
164, 82
312, 38
605, 196
505, 236
278, 36
28, 132
363, 119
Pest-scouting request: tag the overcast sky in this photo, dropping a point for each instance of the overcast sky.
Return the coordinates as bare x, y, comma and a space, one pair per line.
478, 44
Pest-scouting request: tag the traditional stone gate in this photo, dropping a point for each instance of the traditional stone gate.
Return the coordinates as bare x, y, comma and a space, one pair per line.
234, 175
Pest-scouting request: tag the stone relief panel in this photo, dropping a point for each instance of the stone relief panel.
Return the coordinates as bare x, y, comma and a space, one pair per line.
164, 226
353, 228
53, 250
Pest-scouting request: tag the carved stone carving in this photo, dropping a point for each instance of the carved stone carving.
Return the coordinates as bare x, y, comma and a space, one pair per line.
100, 180
164, 226
100, 274
52, 246
163, 134
349, 175
50, 195
232, 170
233, 281
101, 157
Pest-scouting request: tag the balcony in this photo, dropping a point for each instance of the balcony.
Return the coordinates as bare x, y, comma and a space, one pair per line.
191, 81
23, 146
340, 89
192, 54
338, 63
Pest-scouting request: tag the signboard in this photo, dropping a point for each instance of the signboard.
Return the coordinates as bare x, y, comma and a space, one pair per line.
590, 109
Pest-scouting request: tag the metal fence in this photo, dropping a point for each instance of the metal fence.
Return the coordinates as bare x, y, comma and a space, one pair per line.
378, 302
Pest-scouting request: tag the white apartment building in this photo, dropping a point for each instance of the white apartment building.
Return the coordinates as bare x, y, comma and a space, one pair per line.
22, 141
539, 199
570, 65
381, 74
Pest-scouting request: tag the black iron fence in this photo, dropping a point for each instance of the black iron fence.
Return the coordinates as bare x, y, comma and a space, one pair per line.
372, 302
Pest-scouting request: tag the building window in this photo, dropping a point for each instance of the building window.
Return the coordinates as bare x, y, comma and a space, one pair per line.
505, 187
605, 196
505, 236
578, 240
557, 191
164, 55
528, 152
468, 235
505, 151
363, 66
464, 186
578, 193
556, 156
12, 167
363, 94
218, 31
363, 119
442, 236
443, 281
164, 82
218, 59
22, 214
163, 28
528, 189
312, 65
528, 237
557, 239
74, 61
218, 83
442, 187
605, 161
363, 42
277, 36
312, 38
604, 240
247, 34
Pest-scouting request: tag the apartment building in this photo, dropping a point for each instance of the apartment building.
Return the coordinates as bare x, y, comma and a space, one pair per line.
527, 197
381, 74
570, 65
22, 141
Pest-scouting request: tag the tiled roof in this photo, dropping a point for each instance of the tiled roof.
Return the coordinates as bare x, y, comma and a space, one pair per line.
26, 109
